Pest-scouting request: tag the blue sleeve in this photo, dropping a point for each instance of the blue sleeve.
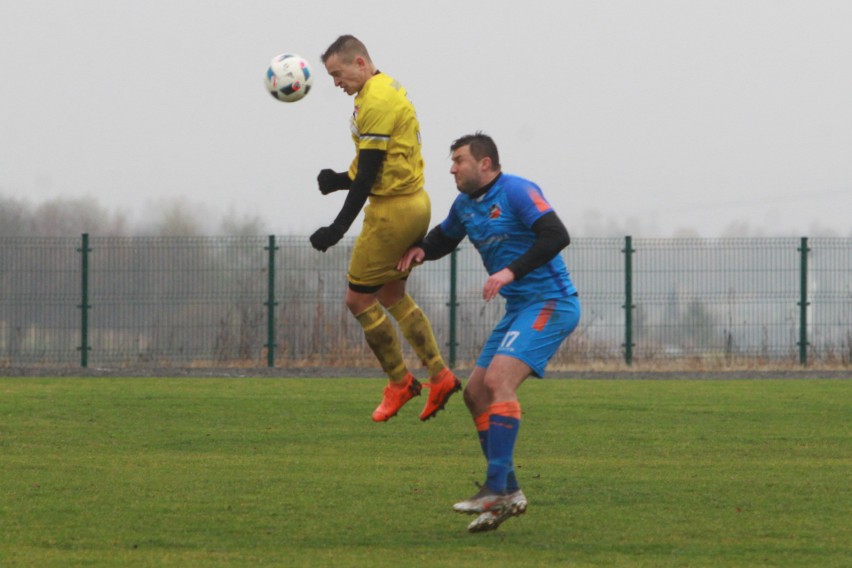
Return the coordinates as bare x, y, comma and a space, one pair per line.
452, 225
528, 203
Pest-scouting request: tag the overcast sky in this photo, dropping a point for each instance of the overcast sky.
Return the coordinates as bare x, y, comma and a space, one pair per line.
653, 117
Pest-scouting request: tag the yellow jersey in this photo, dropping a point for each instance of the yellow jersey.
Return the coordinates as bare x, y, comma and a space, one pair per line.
384, 119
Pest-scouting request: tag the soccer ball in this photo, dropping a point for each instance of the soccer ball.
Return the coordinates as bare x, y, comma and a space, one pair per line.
289, 77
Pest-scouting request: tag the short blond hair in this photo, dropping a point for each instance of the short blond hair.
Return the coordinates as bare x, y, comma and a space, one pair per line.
347, 47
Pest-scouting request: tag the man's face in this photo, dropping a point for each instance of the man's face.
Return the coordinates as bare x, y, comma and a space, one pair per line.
348, 76
467, 170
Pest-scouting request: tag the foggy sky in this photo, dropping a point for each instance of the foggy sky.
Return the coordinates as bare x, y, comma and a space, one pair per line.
658, 118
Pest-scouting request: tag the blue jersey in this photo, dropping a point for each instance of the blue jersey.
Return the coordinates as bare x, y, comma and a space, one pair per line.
499, 226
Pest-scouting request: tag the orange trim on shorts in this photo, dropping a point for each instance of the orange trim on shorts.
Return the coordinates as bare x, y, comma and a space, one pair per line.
544, 315
512, 409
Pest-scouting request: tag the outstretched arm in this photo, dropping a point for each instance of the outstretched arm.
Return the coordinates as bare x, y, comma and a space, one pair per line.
434, 245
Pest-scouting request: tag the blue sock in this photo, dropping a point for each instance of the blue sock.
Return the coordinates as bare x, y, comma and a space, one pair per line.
502, 433
511, 481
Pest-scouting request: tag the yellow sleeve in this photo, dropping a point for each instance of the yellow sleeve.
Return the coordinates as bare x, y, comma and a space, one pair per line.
375, 124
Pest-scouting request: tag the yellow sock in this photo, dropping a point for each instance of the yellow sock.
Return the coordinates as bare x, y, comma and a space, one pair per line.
381, 337
417, 331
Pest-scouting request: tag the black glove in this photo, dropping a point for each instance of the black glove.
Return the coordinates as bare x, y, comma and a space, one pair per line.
325, 238
330, 181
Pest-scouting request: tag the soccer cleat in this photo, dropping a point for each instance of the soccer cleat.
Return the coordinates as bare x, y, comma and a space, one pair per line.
395, 396
515, 505
484, 500
440, 391
517, 502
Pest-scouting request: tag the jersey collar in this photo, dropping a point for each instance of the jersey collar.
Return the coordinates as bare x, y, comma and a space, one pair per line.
476, 195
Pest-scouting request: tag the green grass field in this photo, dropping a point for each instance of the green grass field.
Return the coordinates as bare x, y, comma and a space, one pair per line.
292, 472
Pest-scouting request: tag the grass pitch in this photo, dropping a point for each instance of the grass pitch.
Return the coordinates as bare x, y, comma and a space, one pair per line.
292, 472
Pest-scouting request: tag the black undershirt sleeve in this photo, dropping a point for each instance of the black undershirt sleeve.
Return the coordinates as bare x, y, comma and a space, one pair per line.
437, 244
551, 237
369, 165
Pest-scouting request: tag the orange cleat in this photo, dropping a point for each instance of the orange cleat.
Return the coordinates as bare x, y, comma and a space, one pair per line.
395, 396
441, 388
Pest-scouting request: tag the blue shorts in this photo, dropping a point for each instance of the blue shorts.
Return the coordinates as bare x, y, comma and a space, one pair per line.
532, 333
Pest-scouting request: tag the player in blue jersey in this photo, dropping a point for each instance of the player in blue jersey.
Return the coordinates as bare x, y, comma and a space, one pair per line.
519, 237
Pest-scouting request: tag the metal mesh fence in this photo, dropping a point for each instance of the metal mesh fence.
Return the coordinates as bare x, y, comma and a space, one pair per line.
597, 269
39, 297
829, 301
205, 302
719, 299
170, 300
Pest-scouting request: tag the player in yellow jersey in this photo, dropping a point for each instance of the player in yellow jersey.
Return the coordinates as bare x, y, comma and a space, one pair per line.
388, 172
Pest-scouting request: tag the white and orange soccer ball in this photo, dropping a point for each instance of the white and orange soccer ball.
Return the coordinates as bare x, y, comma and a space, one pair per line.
289, 77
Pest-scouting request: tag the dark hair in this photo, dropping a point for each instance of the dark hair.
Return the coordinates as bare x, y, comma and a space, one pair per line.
347, 47
481, 146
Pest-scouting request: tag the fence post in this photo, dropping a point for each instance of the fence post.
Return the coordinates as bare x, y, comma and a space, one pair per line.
453, 304
803, 303
84, 304
270, 303
628, 299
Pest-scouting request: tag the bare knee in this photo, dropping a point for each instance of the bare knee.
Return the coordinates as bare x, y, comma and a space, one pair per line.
504, 376
469, 400
358, 302
477, 397
391, 293
492, 383
498, 387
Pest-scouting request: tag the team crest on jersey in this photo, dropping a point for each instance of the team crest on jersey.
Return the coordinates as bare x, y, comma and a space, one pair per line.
494, 212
